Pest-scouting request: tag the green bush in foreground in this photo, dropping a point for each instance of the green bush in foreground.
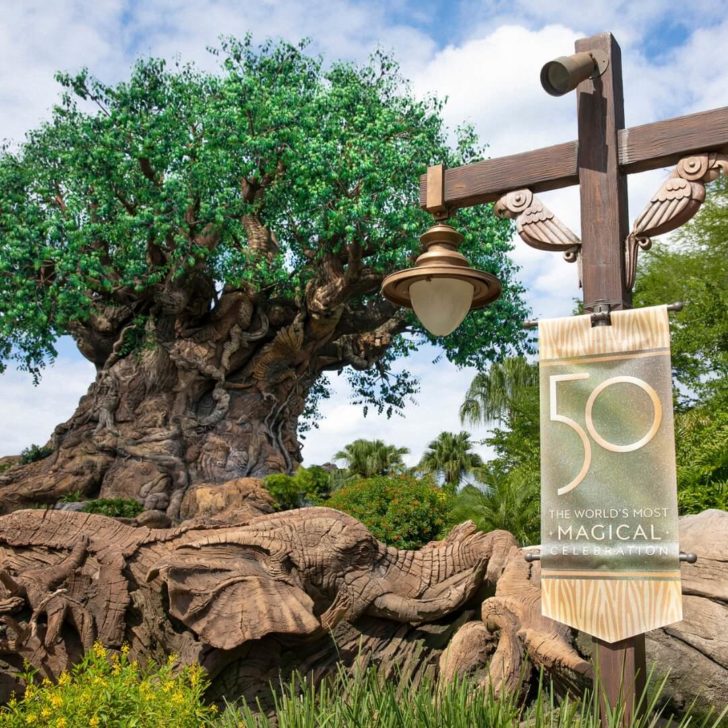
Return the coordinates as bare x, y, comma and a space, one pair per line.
400, 510
107, 689
307, 486
114, 507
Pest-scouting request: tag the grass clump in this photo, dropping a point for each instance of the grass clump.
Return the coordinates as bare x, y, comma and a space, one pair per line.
109, 689
114, 507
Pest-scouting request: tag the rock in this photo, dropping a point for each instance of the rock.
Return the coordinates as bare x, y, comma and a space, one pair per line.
133, 480
75, 506
156, 502
235, 500
153, 519
9, 461
694, 653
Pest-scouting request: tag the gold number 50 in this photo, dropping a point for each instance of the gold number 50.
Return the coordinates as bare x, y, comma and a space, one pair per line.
601, 441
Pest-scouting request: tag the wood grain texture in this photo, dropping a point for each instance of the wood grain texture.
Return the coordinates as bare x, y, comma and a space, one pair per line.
540, 170
602, 185
574, 337
664, 143
628, 606
639, 148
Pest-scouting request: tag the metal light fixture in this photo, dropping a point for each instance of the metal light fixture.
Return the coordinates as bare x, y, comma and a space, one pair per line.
442, 287
564, 74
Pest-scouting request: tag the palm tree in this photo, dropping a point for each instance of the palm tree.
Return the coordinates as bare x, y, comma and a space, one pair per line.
493, 395
368, 458
450, 457
507, 500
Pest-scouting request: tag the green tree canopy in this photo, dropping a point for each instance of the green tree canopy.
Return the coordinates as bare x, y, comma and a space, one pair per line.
496, 393
368, 458
450, 456
694, 269
278, 174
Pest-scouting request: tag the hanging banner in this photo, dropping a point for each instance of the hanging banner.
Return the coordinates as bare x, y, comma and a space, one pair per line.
609, 534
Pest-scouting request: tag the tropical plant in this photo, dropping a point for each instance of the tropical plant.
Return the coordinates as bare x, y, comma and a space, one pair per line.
215, 243
500, 500
368, 458
33, 453
493, 394
400, 510
509, 494
344, 700
450, 457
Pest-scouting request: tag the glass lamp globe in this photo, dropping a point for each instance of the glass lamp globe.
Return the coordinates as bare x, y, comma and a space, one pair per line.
441, 304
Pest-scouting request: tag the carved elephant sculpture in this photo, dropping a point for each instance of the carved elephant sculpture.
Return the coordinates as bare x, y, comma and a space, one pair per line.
300, 572
208, 592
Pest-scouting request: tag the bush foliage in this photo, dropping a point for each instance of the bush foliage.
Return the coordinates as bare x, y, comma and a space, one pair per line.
109, 689
307, 486
35, 452
401, 510
114, 507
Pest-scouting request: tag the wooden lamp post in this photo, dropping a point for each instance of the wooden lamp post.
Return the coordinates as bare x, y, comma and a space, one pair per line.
599, 162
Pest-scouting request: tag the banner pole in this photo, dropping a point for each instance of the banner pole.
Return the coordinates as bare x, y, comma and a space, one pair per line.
620, 677
604, 227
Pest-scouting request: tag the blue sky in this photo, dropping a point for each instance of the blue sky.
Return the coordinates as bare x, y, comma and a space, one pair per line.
484, 55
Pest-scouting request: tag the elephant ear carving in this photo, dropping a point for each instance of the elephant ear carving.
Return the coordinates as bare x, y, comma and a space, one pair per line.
230, 594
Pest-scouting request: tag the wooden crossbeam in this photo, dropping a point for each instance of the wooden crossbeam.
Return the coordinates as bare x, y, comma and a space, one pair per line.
641, 148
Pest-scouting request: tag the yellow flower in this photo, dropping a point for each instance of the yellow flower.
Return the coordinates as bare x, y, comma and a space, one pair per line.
177, 697
99, 649
93, 722
30, 718
61, 722
64, 679
125, 649
45, 712
56, 700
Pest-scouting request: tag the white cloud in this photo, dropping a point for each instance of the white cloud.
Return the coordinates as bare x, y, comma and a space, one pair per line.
30, 413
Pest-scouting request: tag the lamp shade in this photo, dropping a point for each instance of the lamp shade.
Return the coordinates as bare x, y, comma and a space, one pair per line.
441, 287
441, 303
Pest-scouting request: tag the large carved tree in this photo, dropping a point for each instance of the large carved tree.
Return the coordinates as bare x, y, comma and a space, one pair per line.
215, 243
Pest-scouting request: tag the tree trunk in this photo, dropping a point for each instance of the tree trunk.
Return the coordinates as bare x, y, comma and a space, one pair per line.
187, 411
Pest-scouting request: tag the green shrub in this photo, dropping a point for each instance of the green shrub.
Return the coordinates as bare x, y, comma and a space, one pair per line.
307, 486
114, 507
35, 452
400, 510
108, 689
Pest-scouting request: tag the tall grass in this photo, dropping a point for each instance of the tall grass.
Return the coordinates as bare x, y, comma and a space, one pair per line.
366, 699
108, 690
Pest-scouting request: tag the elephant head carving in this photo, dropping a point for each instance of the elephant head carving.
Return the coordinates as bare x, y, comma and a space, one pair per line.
301, 572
